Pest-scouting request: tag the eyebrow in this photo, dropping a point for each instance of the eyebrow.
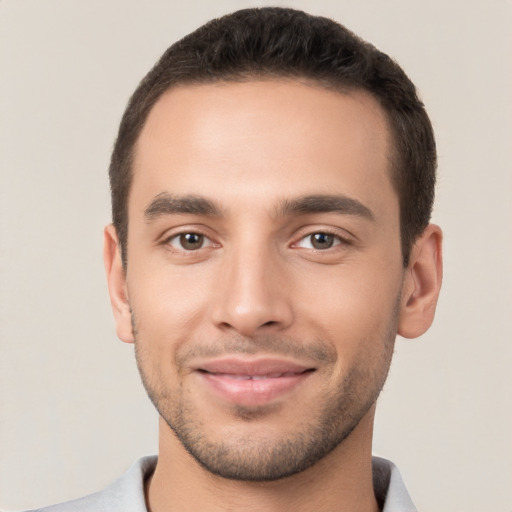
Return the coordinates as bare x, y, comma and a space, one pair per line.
325, 203
167, 204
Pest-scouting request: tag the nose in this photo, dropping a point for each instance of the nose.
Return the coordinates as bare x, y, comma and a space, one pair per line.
253, 294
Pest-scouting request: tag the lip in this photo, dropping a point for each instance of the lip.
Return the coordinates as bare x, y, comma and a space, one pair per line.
252, 382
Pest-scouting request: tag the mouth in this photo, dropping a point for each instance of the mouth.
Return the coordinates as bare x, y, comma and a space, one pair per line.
253, 377
252, 383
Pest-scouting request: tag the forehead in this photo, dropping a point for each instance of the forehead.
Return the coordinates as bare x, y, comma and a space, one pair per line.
264, 139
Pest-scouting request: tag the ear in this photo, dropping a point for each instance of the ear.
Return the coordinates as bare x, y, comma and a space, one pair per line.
422, 284
116, 279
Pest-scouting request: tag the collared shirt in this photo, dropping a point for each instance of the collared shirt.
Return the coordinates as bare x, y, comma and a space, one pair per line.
127, 493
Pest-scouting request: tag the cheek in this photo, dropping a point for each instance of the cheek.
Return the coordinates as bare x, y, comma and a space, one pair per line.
351, 305
169, 302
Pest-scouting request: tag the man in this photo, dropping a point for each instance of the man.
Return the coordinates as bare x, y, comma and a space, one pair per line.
272, 184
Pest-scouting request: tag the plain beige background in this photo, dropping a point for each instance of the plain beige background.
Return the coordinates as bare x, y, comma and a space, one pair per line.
73, 414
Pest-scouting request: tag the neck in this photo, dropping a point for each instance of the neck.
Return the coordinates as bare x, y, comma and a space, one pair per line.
341, 481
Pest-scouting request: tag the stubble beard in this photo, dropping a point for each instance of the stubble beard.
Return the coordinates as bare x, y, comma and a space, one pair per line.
269, 458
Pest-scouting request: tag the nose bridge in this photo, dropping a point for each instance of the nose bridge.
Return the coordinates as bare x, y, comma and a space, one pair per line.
252, 294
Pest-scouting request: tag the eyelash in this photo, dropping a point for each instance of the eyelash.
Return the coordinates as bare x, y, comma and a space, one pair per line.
340, 241
182, 250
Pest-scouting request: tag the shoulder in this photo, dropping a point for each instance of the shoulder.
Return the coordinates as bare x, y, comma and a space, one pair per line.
125, 495
389, 487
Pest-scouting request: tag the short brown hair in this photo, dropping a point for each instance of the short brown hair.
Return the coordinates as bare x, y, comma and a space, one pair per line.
277, 42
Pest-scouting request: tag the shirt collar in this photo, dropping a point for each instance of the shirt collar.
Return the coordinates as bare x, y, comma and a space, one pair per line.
128, 492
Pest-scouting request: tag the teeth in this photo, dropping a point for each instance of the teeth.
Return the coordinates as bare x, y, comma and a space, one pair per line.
271, 376
256, 377
260, 377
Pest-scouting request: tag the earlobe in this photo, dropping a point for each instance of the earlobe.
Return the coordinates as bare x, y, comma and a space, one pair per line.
422, 284
116, 279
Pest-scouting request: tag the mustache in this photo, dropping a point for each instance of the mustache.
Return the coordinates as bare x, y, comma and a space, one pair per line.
266, 345
281, 346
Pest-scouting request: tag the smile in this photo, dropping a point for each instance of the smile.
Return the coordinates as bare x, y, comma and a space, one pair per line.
255, 377
252, 383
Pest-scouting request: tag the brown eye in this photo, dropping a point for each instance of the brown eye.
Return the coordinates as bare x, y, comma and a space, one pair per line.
319, 241
191, 241
322, 240
188, 241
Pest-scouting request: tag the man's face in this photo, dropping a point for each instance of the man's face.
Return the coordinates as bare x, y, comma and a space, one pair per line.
264, 270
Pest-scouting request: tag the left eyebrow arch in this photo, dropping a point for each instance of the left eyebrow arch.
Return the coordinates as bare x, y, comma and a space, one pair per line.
167, 204
325, 203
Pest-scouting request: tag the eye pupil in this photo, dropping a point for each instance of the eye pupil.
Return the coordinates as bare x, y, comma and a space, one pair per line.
322, 240
191, 241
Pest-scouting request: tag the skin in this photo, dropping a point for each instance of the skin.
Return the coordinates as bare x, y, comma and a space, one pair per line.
259, 286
